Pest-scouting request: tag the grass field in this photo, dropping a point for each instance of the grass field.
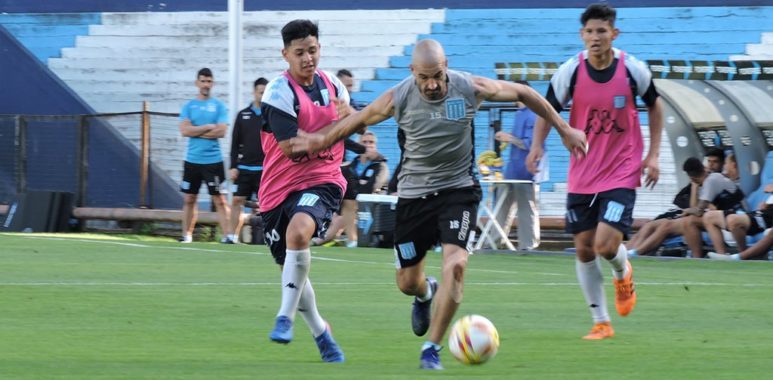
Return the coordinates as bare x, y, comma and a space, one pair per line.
96, 306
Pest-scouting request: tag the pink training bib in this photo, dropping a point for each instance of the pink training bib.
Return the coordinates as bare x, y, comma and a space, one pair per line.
606, 112
281, 175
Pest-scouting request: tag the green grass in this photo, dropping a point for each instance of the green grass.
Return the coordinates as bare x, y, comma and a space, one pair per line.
126, 307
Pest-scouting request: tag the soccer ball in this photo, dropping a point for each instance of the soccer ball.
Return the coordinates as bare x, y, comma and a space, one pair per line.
473, 339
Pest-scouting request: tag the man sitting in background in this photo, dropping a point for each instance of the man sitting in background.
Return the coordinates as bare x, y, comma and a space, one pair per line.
667, 224
715, 189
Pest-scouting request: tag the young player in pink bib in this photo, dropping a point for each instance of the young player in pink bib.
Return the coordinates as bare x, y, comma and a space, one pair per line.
300, 192
602, 83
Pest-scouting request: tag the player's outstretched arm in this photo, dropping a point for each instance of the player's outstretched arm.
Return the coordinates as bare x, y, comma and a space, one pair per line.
650, 166
381, 109
503, 91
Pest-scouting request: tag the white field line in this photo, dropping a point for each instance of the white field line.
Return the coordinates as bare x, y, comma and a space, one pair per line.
315, 257
348, 284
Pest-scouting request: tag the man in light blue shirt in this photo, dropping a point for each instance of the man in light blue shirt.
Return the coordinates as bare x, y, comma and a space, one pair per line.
203, 120
522, 199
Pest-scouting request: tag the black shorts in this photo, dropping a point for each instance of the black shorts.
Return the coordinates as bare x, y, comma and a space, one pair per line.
247, 183
614, 207
212, 174
760, 221
319, 202
448, 216
351, 183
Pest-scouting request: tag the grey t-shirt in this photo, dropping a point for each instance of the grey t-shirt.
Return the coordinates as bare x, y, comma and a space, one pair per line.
436, 137
720, 191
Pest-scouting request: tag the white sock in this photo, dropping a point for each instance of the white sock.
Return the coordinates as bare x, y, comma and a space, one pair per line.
307, 307
294, 276
187, 238
619, 262
428, 296
429, 344
592, 285
736, 257
234, 238
351, 244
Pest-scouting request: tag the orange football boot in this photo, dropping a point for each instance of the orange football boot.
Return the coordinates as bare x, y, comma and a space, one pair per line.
625, 295
601, 330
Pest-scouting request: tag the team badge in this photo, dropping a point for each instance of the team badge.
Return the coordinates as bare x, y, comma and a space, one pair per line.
620, 102
455, 109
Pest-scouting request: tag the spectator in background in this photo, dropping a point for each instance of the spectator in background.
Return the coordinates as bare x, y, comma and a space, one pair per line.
523, 197
203, 120
346, 77
739, 224
731, 169
370, 167
759, 249
345, 218
716, 190
246, 156
715, 160
653, 233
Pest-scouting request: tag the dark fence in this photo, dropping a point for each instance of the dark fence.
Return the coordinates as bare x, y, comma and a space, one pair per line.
72, 153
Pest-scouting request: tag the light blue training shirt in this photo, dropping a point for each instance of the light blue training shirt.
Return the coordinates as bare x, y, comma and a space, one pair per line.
202, 112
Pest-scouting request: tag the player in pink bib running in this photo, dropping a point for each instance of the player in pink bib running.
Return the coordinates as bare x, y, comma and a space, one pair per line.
299, 192
602, 84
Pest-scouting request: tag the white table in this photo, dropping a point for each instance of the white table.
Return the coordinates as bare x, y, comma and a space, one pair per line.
504, 186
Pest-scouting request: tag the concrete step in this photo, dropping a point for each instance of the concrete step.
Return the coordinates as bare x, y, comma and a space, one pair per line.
537, 53
220, 52
759, 49
275, 17
107, 86
352, 41
273, 63
252, 27
181, 73
633, 24
747, 57
513, 38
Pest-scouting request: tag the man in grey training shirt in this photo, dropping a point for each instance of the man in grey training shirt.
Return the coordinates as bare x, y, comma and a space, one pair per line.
437, 187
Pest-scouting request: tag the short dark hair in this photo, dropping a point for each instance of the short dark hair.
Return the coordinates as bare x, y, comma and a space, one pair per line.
298, 29
693, 167
599, 11
204, 72
716, 152
344, 73
260, 81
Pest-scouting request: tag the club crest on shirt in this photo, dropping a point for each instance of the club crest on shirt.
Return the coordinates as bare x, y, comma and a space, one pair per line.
620, 101
455, 108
